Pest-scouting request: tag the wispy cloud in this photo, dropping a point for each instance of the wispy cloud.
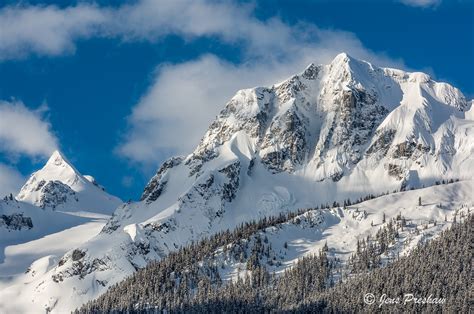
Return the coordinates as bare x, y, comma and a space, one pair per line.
51, 31
46, 30
24, 131
421, 3
10, 180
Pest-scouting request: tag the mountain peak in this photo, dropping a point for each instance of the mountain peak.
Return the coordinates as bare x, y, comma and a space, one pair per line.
348, 63
343, 56
57, 158
56, 153
333, 132
60, 183
343, 59
56, 169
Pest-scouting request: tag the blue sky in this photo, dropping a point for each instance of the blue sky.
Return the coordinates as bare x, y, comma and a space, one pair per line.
121, 86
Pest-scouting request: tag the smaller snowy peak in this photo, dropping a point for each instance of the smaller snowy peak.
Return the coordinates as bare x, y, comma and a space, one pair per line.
57, 159
59, 183
57, 169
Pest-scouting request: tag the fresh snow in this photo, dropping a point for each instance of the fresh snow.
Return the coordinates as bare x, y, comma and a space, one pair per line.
65, 209
337, 131
18, 257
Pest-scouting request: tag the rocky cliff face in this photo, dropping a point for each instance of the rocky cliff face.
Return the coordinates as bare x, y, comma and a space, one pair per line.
333, 132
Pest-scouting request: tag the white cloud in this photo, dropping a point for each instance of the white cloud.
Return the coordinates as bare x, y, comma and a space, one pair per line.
49, 30
10, 180
421, 3
46, 30
25, 131
184, 97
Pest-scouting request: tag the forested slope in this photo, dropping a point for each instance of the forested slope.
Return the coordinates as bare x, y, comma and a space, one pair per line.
440, 272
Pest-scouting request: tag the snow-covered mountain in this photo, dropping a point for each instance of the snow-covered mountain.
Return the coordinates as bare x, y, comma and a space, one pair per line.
54, 197
336, 131
59, 186
55, 210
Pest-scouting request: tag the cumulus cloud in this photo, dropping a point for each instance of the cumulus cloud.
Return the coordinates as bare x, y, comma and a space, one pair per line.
421, 3
25, 131
10, 180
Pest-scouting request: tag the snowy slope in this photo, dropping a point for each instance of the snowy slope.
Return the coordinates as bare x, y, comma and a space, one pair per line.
341, 227
54, 198
54, 284
18, 257
56, 209
336, 131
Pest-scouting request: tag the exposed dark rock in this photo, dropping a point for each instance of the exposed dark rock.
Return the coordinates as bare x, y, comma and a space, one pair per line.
77, 255
311, 72
382, 143
81, 268
55, 193
396, 171
16, 222
287, 136
230, 188
157, 184
250, 167
410, 149
164, 227
337, 176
